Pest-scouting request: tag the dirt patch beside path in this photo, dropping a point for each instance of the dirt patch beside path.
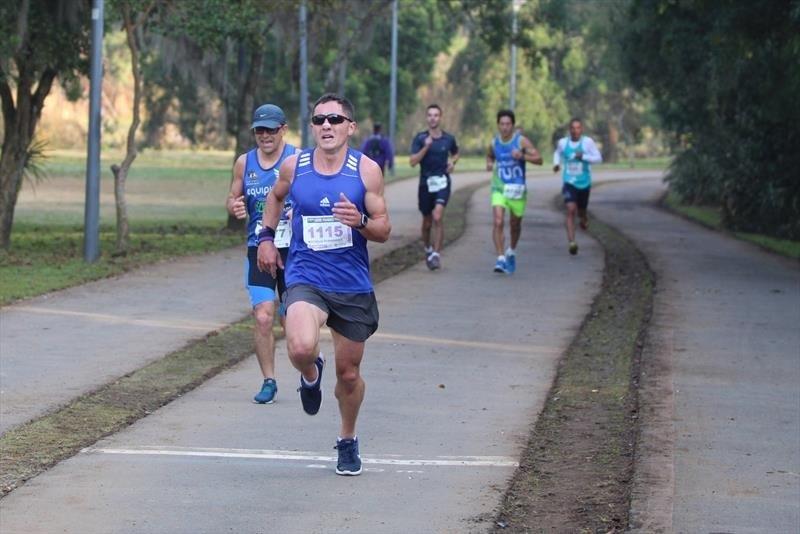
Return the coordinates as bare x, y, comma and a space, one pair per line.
576, 471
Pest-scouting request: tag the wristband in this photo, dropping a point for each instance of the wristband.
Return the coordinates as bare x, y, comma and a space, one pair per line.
266, 234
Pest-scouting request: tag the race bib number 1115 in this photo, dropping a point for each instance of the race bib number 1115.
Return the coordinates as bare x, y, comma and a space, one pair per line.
324, 232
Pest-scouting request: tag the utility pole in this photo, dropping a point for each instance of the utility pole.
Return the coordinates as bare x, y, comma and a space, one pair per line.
512, 99
91, 215
303, 76
393, 84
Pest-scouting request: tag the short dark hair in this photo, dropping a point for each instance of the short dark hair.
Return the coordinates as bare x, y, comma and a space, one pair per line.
376, 128
575, 119
506, 113
433, 106
347, 106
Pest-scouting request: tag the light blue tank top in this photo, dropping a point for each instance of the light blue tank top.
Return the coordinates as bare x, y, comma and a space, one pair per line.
325, 253
576, 172
258, 182
507, 169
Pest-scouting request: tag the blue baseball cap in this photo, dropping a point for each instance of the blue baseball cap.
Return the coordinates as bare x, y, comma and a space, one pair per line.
268, 116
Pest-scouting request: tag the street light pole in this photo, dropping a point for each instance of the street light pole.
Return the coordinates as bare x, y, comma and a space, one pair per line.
91, 216
515, 4
303, 76
393, 83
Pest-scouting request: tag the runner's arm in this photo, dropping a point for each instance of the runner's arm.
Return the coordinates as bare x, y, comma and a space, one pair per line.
378, 226
235, 201
490, 158
590, 152
530, 153
276, 197
557, 155
418, 151
268, 258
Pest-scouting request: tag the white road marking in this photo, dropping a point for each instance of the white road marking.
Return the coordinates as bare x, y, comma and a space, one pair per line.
439, 461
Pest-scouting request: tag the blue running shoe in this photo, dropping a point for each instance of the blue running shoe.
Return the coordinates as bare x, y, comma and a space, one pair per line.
268, 390
500, 266
311, 396
511, 263
349, 463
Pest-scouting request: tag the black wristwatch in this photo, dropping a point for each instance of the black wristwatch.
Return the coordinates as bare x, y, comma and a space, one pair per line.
364, 221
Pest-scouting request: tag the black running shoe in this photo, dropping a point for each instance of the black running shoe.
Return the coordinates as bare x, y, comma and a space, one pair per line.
311, 396
349, 463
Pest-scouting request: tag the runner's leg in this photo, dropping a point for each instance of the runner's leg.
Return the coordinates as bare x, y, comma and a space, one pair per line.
264, 314
350, 386
303, 321
499, 215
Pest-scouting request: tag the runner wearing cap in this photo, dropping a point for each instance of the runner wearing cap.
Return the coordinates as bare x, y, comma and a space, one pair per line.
254, 175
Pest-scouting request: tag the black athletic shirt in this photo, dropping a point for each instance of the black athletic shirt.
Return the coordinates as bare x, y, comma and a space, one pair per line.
435, 161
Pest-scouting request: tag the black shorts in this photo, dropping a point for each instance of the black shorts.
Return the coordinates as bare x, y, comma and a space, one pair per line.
578, 196
353, 315
428, 201
264, 279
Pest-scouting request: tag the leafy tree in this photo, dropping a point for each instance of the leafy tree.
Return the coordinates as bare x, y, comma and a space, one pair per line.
726, 77
40, 41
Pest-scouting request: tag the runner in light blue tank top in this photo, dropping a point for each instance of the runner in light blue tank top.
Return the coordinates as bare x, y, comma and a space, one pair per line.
577, 153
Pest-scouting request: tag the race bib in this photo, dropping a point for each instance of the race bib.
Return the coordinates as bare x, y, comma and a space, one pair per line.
514, 191
436, 183
324, 232
574, 168
283, 233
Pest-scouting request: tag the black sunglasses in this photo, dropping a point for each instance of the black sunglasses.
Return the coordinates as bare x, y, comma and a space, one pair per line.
332, 118
260, 130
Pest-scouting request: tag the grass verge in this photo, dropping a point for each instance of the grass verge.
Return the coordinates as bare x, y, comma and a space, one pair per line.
576, 470
35, 446
710, 218
48, 258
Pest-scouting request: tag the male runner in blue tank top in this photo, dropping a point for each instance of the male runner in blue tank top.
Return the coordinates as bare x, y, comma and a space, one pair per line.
436, 152
578, 152
510, 150
338, 206
254, 174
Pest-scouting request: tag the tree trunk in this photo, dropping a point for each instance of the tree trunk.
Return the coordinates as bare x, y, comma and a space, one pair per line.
612, 142
244, 117
121, 171
20, 125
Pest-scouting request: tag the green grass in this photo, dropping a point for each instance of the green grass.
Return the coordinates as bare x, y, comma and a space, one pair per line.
711, 217
175, 208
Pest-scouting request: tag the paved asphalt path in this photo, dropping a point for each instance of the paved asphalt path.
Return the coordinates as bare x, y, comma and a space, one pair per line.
456, 374
56, 347
721, 376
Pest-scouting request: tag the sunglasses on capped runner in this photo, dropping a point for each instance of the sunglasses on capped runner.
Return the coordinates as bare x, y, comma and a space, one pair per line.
261, 130
332, 118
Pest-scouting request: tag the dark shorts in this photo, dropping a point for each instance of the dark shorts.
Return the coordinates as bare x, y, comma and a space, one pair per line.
578, 196
353, 315
428, 201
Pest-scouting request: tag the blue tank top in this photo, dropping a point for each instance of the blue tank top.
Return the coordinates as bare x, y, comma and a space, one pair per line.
258, 182
576, 172
507, 169
325, 253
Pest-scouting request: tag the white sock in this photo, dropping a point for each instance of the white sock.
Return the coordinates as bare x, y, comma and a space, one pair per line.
305, 382
428, 249
510, 251
501, 258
